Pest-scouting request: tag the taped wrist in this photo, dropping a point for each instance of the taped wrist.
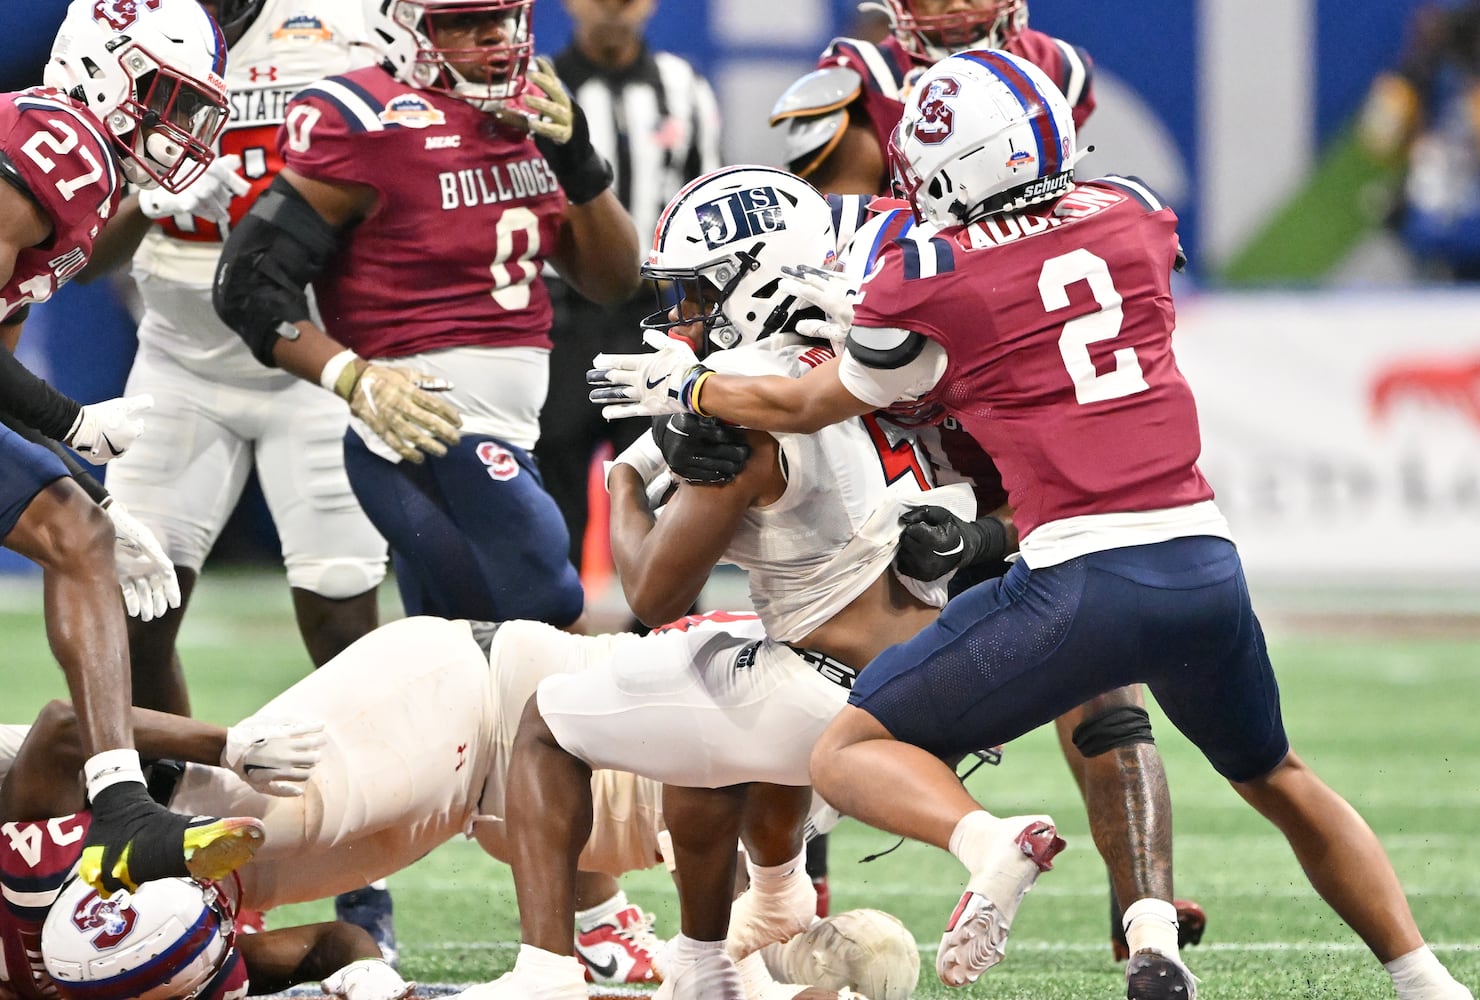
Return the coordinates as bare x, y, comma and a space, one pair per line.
272, 256
985, 540
582, 172
1122, 726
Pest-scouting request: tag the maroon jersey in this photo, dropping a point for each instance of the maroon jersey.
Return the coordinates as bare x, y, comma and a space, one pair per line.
889, 70
1058, 334
467, 214
62, 155
37, 860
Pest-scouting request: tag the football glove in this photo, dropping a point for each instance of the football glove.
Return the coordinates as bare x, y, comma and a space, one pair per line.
103, 431
403, 409
701, 449
563, 136
145, 573
367, 979
274, 756
832, 291
646, 385
208, 197
935, 542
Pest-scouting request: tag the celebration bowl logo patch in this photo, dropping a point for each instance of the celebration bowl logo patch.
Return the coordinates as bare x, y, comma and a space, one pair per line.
303, 27
411, 111
1021, 158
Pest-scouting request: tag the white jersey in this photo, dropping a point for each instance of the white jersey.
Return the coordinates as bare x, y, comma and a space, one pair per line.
291, 44
835, 529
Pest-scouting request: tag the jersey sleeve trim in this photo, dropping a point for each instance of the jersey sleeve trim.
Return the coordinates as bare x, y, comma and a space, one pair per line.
849, 213
881, 73
885, 347
359, 108
1137, 189
1077, 73
925, 256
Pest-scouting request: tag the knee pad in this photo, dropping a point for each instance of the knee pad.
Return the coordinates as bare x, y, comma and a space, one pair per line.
1122, 726
336, 579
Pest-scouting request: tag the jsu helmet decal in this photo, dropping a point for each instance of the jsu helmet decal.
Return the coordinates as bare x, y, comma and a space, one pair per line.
741, 215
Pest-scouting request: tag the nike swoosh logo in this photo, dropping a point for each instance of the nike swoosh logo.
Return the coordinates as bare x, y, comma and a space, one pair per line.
604, 971
673, 429
249, 768
108, 441
950, 552
654, 383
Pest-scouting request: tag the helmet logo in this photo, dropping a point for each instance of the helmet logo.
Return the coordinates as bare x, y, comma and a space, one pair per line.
937, 119
113, 918
744, 214
121, 13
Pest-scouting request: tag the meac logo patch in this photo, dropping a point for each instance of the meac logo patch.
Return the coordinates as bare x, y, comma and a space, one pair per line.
112, 918
744, 214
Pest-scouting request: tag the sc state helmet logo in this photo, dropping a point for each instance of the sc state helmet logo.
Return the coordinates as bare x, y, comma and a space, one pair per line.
744, 214
502, 465
112, 918
937, 118
121, 13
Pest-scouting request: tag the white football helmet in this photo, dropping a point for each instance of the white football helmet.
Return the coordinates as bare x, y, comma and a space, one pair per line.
153, 72
720, 245
425, 39
983, 132
165, 941
869, 951
933, 36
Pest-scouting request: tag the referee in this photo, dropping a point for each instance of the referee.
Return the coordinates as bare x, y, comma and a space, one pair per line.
656, 120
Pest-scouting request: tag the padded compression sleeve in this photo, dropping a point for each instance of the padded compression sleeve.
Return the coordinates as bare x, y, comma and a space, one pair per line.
266, 266
32, 401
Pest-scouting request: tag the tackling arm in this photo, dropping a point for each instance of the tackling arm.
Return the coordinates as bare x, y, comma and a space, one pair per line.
774, 403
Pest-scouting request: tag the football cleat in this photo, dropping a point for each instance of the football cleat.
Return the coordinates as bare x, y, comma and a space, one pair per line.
713, 977
1150, 975
1192, 920
757, 920
976, 936
133, 840
518, 984
622, 949
370, 909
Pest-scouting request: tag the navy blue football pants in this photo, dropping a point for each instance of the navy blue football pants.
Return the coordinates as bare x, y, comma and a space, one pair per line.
1011, 654
472, 534
25, 470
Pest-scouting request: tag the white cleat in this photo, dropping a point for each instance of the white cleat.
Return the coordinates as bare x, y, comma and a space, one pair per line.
1150, 975
713, 977
758, 920
518, 984
976, 936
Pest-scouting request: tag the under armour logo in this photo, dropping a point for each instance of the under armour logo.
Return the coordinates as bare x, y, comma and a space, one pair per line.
462, 756
257, 74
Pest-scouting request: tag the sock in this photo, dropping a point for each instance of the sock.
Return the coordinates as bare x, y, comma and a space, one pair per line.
1419, 975
1151, 923
773, 880
378, 884
685, 950
111, 767
602, 913
548, 967
973, 836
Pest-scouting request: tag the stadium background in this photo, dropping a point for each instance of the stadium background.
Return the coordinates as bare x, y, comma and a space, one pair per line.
1340, 433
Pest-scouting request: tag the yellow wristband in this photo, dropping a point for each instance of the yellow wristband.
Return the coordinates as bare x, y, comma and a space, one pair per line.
694, 393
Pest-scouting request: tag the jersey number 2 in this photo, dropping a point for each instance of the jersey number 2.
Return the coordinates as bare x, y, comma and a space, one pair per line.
1090, 386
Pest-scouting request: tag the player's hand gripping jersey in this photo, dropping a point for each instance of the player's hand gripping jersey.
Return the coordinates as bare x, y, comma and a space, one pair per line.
445, 173
59, 156
1057, 328
37, 860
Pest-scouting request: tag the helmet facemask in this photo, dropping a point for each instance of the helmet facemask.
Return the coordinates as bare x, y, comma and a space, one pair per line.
167, 129
932, 37
490, 40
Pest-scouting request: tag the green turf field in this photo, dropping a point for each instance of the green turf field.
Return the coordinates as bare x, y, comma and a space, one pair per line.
1391, 723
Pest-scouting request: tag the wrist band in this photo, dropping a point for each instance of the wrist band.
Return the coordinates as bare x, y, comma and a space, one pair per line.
334, 369
692, 388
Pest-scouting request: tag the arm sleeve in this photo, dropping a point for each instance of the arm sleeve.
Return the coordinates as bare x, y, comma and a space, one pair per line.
33, 402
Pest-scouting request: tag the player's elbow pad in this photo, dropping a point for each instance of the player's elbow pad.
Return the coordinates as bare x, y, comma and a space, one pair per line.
266, 266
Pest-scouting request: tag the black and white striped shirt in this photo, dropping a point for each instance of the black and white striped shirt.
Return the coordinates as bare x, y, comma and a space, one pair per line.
657, 121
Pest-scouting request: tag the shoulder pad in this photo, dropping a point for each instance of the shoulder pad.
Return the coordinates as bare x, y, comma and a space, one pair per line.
1138, 190
809, 141
884, 347
819, 92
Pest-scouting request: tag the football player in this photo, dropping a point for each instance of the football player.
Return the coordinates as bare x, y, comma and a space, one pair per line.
729, 715
218, 413
345, 802
422, 197
132, 91
1128, 574
838, 120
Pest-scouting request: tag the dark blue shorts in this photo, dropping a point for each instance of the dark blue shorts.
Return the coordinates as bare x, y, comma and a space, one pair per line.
1011, 654
472, 534
25, 470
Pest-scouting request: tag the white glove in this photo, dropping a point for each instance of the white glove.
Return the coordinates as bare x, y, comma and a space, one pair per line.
150, 587
209, 197
367, 979
833, 291
103, 431
645, 385
275, 756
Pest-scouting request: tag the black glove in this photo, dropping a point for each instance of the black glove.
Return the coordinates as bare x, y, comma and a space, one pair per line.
935, 542
701, 449
564, 137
